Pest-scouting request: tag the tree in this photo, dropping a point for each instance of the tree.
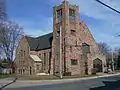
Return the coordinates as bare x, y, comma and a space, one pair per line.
0, 53
117, 51
118, 61
104, 48
10, 33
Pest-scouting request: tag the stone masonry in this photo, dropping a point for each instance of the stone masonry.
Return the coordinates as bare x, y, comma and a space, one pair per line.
79, 49
72, 44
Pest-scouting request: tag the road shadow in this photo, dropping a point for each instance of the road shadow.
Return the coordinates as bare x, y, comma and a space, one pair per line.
2, 87
109, 85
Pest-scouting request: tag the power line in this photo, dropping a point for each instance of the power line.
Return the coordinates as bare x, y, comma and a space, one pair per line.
118, 36
108, 6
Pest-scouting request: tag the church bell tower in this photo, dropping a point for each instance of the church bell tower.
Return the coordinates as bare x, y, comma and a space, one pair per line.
66, 17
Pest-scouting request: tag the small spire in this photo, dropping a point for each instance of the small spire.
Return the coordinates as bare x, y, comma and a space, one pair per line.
64, 1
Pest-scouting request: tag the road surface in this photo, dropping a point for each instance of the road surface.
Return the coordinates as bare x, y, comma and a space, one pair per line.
104, 83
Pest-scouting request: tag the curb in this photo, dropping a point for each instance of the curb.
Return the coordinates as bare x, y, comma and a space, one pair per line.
73, 79
94, 77
57, 81
110, 75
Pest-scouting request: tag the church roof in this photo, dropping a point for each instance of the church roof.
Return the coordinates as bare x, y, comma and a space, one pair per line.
41, 42
35, 58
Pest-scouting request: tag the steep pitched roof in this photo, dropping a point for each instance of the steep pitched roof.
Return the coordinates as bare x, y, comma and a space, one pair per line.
35, 58
40, 43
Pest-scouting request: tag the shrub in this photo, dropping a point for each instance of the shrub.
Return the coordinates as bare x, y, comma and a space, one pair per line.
67, 74
94, 70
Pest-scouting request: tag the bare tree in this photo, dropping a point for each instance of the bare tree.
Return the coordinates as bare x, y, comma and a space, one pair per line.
117, 58
104, 48
0, 53
10, 34
3, 13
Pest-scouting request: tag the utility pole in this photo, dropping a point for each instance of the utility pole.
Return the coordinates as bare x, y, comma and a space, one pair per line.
60, 53
113, 66
112, 61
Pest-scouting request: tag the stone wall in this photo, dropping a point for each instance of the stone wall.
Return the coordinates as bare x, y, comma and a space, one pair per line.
71, 47
38, 67
71, 44
45, 56
23, 62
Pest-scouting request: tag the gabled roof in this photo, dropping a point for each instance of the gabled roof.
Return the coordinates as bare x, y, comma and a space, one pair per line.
35, 58
40, 43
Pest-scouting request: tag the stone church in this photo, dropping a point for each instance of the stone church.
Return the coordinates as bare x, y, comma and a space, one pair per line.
78, 50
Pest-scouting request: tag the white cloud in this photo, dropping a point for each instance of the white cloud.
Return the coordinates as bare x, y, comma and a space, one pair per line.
30, 29
113, 41
35, 32
90, 8
95, 10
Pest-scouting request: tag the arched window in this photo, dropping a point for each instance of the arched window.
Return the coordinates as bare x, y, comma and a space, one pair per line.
70, 48
24, 53
85, 48
21, 53
71, 14
44, 58
23, 71
59, 15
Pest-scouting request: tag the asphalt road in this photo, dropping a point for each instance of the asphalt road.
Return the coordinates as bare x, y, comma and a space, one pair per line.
107, 83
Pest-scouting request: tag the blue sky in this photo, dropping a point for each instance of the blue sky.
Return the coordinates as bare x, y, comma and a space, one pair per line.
35, 16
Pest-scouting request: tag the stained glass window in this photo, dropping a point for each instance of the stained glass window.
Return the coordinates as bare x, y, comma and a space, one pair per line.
59, 15
71, 14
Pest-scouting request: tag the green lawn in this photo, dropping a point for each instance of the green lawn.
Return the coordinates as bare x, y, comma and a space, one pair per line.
3, 76
35, 77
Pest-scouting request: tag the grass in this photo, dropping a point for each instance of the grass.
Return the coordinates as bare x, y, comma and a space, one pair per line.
77, 76
4, 76
35, 77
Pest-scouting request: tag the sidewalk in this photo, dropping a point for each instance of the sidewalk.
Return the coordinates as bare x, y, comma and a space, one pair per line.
5, 82
25, 83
